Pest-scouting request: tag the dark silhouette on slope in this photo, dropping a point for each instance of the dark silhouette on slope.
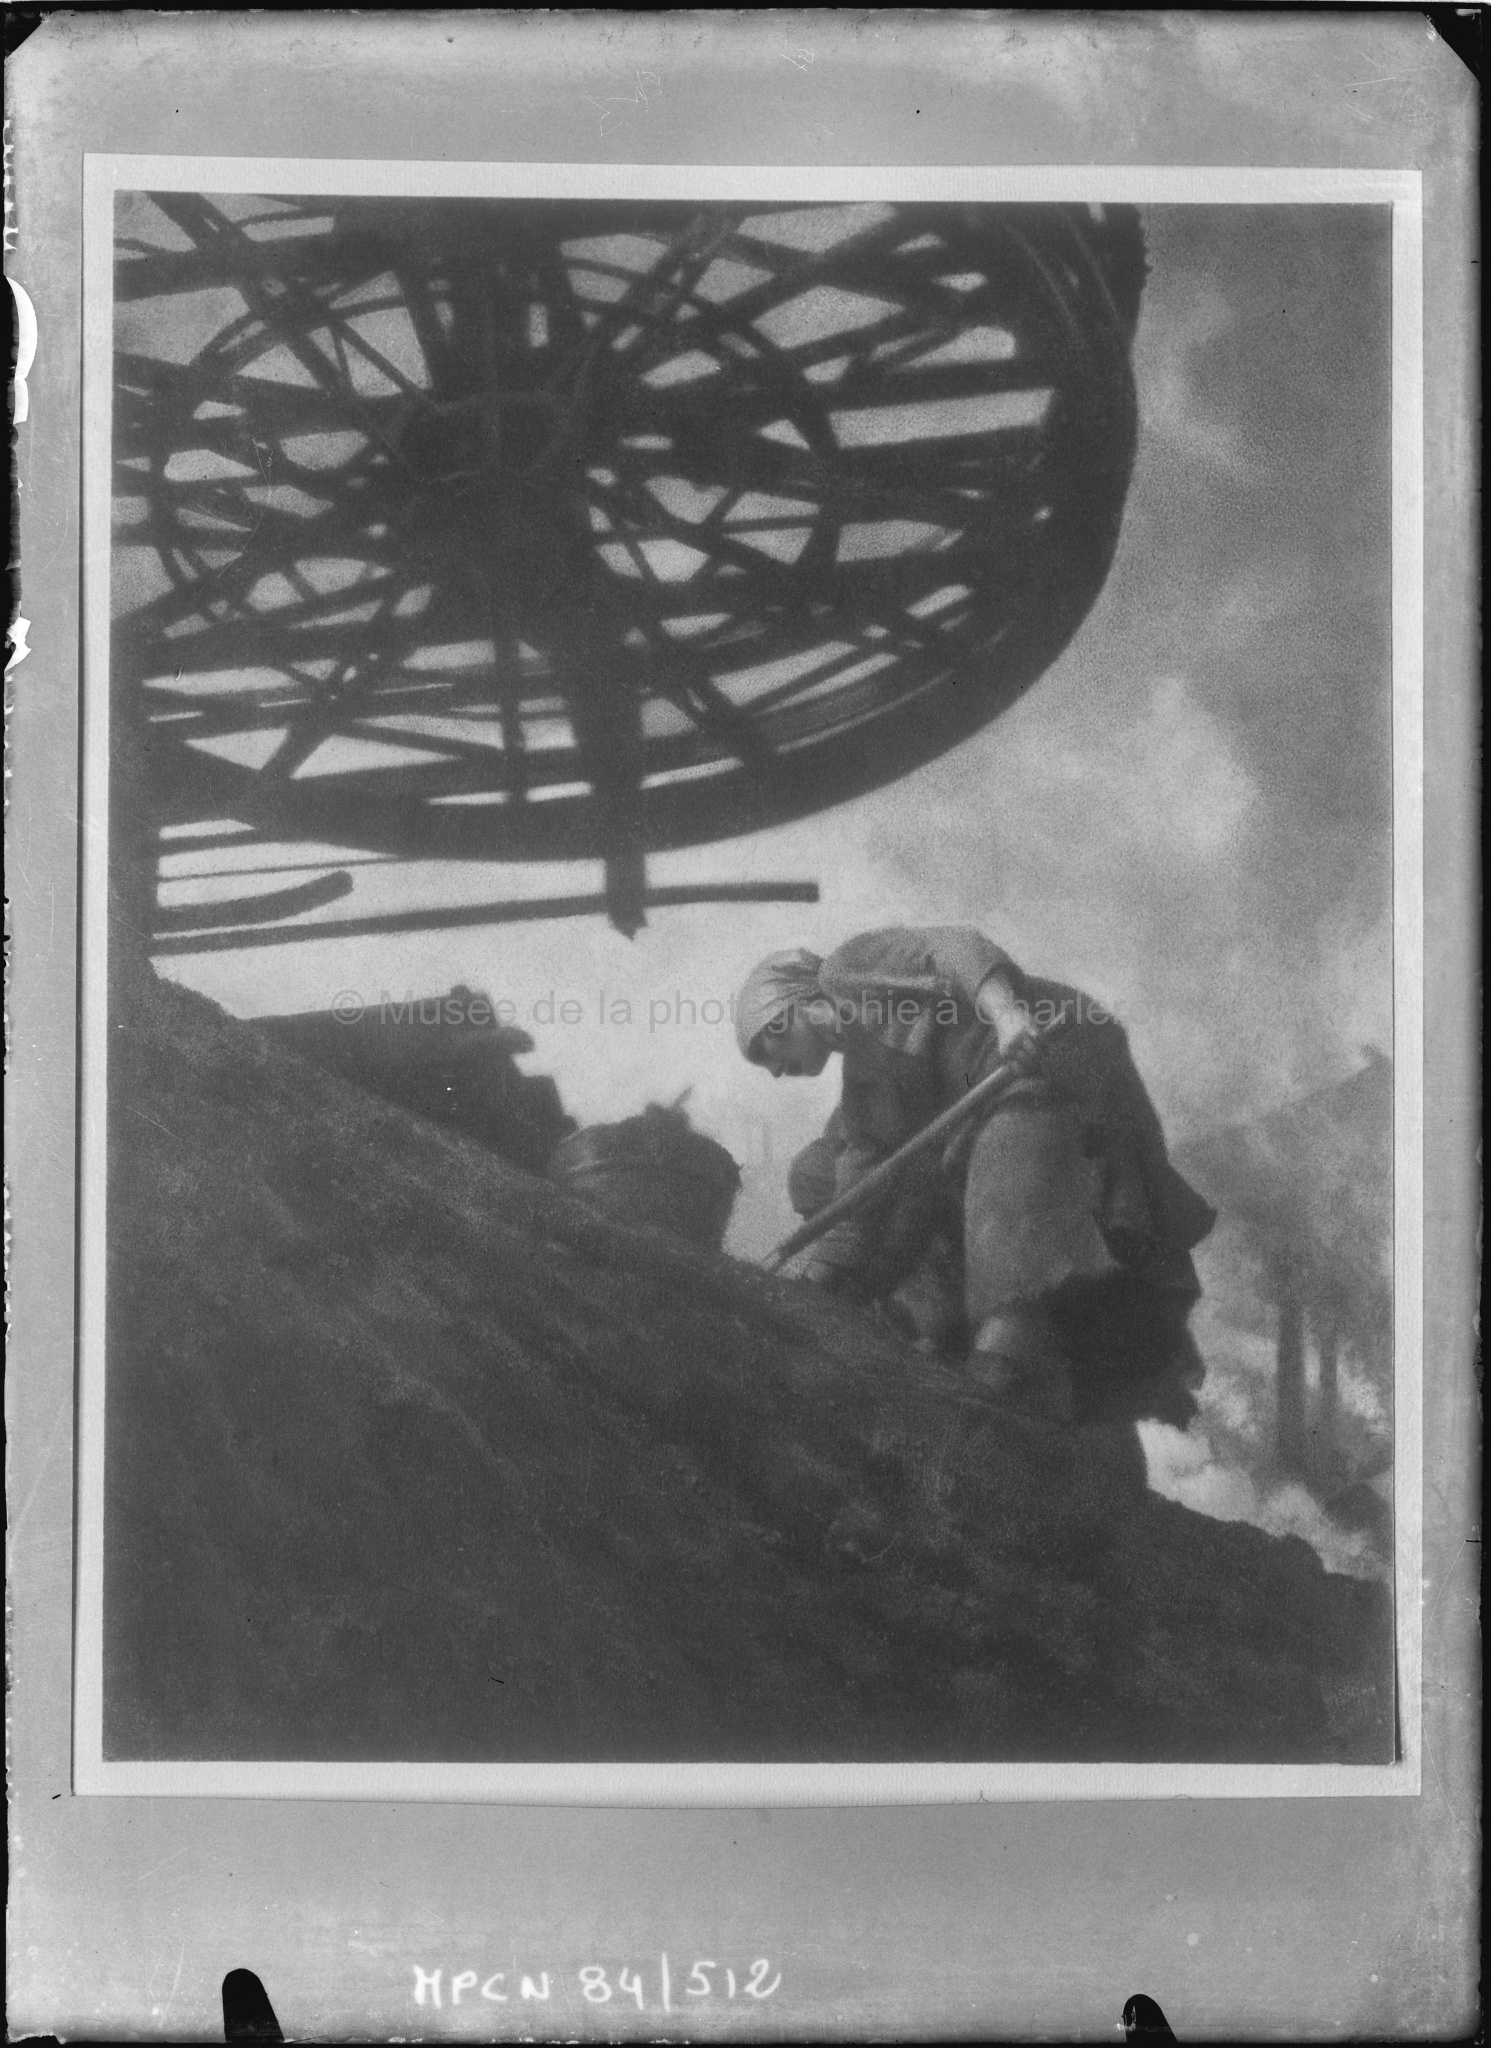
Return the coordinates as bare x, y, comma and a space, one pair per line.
450, 1058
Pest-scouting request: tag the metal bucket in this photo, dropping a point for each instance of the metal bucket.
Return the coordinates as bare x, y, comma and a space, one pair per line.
654, 1170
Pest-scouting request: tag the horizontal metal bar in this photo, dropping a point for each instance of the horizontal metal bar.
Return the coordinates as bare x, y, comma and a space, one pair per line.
259, 909
473, 915
280, 867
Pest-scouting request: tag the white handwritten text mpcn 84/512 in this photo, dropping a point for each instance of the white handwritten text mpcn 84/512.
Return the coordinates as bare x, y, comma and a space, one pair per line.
659, 1987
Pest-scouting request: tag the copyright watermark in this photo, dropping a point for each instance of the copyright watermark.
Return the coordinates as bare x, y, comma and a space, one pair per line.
872, 1011
654, 1012
463, 1008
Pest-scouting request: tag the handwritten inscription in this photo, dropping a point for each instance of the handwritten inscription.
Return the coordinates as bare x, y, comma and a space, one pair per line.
662, 1987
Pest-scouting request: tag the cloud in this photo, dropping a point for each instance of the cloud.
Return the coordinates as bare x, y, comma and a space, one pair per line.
1172, 408
1183, 1469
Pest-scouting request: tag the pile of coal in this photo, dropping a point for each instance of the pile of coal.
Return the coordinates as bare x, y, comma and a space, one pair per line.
448, 1058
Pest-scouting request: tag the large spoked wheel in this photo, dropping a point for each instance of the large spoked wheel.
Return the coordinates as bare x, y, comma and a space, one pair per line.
486, 529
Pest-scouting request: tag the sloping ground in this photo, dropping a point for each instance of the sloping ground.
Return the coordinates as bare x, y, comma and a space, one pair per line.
409, 1456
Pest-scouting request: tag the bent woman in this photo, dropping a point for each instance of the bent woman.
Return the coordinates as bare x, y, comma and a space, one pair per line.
1075, 1229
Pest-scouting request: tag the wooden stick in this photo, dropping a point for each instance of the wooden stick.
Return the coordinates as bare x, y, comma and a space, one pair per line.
889, 1171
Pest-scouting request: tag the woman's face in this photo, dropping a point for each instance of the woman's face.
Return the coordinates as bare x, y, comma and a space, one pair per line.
794, 1048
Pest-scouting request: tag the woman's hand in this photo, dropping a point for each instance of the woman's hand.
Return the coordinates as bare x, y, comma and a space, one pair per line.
998, 1005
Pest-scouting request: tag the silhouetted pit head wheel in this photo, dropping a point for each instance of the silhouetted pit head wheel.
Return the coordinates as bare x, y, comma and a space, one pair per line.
542, 530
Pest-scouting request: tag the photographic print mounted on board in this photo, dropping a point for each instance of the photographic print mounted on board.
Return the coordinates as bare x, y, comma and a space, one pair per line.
740, 1063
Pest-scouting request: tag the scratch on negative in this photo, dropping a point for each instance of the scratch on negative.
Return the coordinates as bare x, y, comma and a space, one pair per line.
171, 1995
1444, 1586
150, 1120
64, 1408
621, 99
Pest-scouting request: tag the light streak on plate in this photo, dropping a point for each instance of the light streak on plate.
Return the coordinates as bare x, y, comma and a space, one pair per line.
940, 419
345, 754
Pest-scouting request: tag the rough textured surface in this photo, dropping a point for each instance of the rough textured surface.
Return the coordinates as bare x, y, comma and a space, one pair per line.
446, 1058
410, 1456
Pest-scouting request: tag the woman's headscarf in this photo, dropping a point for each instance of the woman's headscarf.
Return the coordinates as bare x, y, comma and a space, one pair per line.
781, 981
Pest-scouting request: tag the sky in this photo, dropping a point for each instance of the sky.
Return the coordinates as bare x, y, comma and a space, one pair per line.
1189, 815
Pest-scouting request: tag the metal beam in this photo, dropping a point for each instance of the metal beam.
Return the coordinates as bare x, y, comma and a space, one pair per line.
475, 915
